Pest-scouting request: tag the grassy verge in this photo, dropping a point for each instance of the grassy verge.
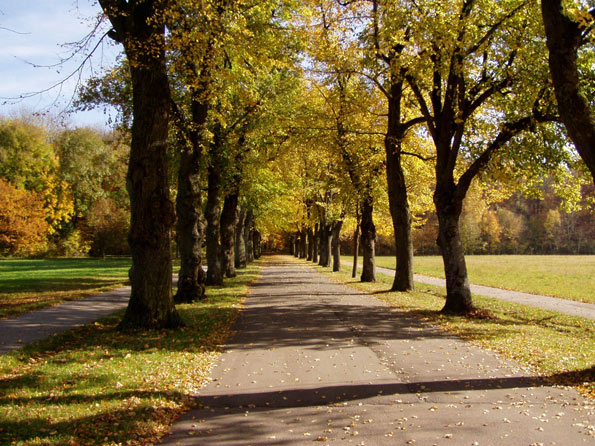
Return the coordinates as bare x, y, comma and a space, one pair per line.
99, 386
27, 285
554, 345
567, 277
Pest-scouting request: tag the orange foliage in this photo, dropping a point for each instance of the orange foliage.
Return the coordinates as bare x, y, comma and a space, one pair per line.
23, 225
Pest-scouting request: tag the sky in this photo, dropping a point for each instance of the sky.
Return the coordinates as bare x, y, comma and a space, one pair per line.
35, 32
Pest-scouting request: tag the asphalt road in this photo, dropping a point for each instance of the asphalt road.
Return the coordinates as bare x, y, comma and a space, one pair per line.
315, 362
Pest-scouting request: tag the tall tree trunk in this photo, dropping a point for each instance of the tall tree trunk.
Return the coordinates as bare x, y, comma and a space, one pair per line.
355, 242
256, 243
248, 236
310, 244
240, 247
228, 224
458, 292
213, 214
316, 243
326, 239
138, 26
397, 193
564, 37
189, 229
368, 242
336, 245
303, 243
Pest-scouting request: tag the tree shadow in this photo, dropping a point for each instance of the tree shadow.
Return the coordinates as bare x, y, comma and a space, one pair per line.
322, 396
110, 426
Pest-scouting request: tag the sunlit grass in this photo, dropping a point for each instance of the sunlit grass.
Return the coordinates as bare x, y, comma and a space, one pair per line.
27, 285
567, 277
99, 386
555, 345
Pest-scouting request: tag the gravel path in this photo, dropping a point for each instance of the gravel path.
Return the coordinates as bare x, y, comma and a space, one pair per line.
316, 362
565, 306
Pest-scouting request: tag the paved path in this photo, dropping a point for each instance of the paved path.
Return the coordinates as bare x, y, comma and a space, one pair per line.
37, 325
315, 362
565, 306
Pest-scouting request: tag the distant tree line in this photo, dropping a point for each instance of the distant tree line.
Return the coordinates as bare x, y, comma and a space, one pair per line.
62, 190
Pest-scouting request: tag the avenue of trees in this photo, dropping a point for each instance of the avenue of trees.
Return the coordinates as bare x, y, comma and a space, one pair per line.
306, 123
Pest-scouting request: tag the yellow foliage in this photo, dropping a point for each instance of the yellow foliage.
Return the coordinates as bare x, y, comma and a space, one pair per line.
23, 225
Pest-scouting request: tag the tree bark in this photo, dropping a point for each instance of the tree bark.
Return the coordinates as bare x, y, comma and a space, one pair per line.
326, 238
336, 245
139, 26
315, 243
240, 245
458, 292
248, 236
355, 243
256, 243
213, 214
310, 244
303, 243
189, 230
564, 37
228, 224
368, 242
397, 192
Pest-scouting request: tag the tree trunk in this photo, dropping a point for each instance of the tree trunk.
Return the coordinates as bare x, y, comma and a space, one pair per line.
189, 229
564, 37
256, 243
228, 224
368, 242
248, 236
355, 244
336, 245
397, 195
213, 214
326, 238
303, 243
315, 243
310, 244
240, 247
151, 302
458, 293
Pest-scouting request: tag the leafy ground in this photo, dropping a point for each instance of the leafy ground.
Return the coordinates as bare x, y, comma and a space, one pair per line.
27, 285
567, 277
554, 345
99, 386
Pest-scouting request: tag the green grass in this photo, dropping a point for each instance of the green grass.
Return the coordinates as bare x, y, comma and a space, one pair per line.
100, 386
27, 285
555, 345
567, 277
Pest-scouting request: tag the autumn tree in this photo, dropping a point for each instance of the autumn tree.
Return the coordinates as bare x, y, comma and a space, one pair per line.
140, 27
23, 225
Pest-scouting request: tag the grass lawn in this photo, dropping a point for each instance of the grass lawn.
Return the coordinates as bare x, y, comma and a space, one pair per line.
568, 277
555, 345
99, 386
27, 285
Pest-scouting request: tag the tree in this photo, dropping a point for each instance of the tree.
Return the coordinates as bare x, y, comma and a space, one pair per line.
565, 35
140, 27
473, 80
23, 226
389, 72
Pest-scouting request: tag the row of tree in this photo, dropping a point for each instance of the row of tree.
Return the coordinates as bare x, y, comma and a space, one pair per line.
306, 113
464, 88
